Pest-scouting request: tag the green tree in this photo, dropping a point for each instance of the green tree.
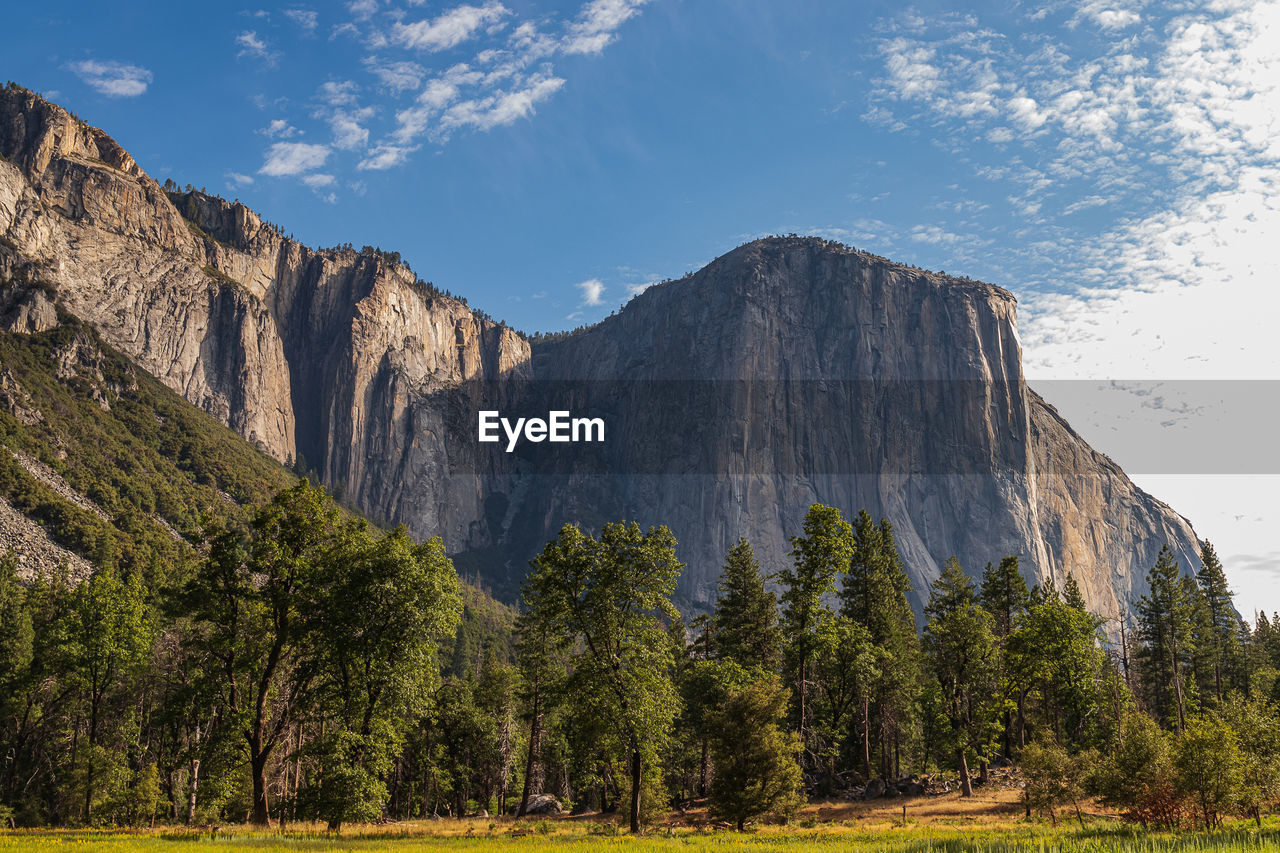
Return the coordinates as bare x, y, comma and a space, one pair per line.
1210, 767
1137, 774
104, 639
383, 605
258, 605
847, 667
1166, 618
757, 769
541, 650
1004, 595
1072, 594
819, 555
960, 649
874, 595
1054, 654
615, 594
1219, 646
1053, 778
1257, 729
17, 650
745, 622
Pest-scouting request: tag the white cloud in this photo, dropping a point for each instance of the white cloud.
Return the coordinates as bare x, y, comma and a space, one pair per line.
592, 291
307, 19
597, 23
318, 180
385, 157
239, 180
1108, 15
293, 158
507, 76
362, 9
255, 46
279, 129
338, 92
500, 108
449, 29
348, 133
399, 76
113, 79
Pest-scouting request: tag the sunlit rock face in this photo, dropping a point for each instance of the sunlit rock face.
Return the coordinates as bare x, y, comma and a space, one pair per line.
789, 371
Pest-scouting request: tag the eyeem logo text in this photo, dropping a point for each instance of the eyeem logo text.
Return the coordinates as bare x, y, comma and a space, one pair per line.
558, 427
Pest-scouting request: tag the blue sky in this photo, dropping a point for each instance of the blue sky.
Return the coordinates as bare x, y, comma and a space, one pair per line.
1115, 163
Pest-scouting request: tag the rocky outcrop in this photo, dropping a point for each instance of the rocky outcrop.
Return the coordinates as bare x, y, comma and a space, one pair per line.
788, 371
31, 546
320, 354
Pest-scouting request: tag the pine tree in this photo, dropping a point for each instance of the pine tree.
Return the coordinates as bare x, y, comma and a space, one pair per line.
961, 652
1220, 647
820, 554
1165, 622
1072, 595
745, 623
874, 595
1004, 594
756, 767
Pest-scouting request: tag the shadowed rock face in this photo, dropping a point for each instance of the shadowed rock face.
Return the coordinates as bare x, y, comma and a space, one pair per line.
820, 374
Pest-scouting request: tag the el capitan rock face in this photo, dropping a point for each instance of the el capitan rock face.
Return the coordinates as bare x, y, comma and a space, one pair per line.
839, 377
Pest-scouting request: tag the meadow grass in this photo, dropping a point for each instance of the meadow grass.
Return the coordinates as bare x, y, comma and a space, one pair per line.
1019, 837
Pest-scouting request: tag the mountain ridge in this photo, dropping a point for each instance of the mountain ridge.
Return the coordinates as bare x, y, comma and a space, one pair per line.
346, 363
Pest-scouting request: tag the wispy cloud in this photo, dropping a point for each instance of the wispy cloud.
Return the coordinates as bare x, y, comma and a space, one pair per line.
293, 158
278, 129
1139, 162
398, 76
255, 46
307, 19
506, 74
384, 157
113, 79
597, 24
449, 29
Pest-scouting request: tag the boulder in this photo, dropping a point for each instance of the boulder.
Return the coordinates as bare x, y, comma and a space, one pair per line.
544, 804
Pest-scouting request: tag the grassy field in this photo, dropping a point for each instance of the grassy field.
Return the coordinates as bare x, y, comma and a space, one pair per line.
991, 823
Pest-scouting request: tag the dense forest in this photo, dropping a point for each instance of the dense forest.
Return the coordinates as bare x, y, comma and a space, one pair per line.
247, 650
308, 666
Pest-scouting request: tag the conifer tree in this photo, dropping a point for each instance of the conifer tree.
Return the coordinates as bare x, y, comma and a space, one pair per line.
960, 649
1165, 622
1004, 594
1220, 645
874, 595
820, 554
745, 623
1072, 595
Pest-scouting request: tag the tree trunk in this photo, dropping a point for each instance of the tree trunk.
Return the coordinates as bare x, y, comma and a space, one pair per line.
966, 787
706, 764
258, 767
635, 790
804, 729
534, 735
866, 738
193, 784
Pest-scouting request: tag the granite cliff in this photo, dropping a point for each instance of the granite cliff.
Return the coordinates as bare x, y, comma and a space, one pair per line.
788, 371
